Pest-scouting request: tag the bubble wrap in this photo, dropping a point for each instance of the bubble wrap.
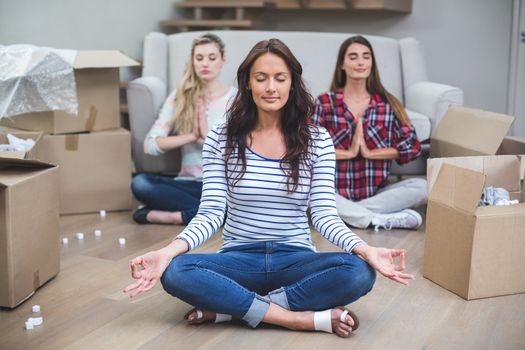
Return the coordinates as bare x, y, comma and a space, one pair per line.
34, 79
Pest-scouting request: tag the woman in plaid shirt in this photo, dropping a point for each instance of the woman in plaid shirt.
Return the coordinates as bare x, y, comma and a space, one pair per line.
369, 128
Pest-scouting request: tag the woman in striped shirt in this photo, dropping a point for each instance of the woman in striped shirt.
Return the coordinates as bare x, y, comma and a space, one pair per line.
199, 103
267, 166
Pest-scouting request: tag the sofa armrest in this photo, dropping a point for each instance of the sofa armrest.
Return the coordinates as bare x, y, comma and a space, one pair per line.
432, 99
145, 98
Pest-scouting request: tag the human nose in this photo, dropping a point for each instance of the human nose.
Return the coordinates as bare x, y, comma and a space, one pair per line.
270, 87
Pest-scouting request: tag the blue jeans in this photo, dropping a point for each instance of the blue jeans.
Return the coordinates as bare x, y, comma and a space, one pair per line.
242, 281
164, 193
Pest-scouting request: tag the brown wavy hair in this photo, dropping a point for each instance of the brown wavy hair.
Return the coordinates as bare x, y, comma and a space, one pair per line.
296, 113
373, 82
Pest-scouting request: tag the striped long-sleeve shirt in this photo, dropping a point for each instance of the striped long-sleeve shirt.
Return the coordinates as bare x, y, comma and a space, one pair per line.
259, 206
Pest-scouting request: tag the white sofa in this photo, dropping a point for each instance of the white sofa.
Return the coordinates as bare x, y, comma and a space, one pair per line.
401, 66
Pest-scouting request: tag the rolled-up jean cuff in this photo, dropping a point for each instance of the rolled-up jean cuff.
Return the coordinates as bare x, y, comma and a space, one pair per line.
257, 310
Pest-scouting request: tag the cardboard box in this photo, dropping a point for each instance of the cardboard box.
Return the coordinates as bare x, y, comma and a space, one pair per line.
469, 132
473, 251
472, 132
514, 145
97, 81
29, 227
95, 169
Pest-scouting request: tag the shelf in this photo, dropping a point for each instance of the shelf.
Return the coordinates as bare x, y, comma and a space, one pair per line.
404, 6
207, 23
220, 4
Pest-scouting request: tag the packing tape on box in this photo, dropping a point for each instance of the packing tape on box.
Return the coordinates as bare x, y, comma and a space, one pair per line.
36, 279
92, 119
72, 142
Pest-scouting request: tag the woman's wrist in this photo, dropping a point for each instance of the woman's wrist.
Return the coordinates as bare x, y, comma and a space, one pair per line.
352, 153
177, 247
168, 143
192, 137
367, 153
361, 250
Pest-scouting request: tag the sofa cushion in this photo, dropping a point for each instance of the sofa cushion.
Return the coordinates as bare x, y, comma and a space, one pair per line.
421, 123
317, 53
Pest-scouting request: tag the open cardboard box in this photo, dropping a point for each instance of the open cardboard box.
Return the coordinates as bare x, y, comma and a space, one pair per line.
29, 228
472, 132
98, 93
473, 251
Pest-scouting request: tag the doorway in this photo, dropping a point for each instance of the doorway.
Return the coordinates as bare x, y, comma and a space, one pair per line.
516, 100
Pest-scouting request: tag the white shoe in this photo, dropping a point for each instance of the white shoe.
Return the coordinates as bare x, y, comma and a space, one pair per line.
407, 219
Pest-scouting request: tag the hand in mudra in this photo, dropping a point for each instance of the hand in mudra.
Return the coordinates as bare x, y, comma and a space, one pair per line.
147, 270
382, 260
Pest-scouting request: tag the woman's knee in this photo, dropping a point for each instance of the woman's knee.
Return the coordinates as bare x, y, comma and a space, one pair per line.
367, 277
140, 185
362, 275
419, 186
417, 183
172, 279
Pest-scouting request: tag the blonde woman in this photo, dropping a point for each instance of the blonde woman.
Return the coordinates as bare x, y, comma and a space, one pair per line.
198, 104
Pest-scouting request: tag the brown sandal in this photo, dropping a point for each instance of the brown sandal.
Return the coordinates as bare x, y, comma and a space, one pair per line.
218, 317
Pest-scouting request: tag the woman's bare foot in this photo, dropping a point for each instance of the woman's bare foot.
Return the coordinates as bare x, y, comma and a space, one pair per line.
164, 217
342, 329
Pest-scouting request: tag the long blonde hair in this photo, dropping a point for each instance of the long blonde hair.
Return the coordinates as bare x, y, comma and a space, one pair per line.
190, 89
373, 82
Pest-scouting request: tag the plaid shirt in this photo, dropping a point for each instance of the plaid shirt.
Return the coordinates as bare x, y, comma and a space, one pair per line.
361, 178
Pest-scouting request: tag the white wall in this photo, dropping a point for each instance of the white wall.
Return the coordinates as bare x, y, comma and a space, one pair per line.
84, 24
466, 42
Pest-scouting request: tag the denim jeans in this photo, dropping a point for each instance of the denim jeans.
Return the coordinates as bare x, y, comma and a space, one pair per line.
242, 281
165, 193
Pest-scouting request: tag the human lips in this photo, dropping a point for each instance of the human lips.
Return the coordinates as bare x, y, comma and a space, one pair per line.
270, 99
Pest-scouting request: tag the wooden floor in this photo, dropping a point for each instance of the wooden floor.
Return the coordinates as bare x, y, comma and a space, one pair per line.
84, 308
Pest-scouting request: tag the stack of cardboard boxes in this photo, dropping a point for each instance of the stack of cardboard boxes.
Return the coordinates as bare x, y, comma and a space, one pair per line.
92, 151
93, 155
475, 251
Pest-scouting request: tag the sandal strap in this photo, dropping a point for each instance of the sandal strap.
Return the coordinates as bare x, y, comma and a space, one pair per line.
323, 321
342, 317
222, 318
